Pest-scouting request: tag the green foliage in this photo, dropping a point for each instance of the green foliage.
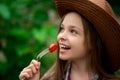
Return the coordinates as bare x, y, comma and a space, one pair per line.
4, 11
115, 5
25, 30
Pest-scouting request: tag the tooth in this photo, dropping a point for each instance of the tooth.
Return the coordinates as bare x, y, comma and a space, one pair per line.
62, 46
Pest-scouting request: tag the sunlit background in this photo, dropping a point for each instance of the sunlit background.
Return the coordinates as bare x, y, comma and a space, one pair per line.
26, 28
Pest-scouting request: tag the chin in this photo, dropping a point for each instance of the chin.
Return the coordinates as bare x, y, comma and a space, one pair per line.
64, 57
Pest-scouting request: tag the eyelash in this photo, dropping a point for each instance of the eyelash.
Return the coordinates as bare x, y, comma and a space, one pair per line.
61, 29
72, 30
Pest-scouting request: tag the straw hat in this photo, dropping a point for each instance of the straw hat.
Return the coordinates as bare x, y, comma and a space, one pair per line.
100, 14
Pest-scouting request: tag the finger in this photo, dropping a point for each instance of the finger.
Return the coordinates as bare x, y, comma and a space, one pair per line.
29, 71
36, 64
24, 75
33, 69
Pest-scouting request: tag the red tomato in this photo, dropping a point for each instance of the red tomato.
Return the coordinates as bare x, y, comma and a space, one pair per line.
52, 47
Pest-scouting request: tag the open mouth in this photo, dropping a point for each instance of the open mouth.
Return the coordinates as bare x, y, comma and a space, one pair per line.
62, 46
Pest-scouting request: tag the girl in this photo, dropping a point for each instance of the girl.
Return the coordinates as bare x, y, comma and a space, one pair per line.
87, 43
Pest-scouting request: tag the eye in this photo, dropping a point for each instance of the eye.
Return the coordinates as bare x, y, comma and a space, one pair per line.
61, 29
74, 32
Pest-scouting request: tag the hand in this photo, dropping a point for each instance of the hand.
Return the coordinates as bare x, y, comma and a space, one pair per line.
31, 72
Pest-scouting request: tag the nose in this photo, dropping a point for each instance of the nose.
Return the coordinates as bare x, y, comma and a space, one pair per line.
62, 36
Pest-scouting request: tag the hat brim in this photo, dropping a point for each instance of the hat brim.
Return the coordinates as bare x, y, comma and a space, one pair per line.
106, 26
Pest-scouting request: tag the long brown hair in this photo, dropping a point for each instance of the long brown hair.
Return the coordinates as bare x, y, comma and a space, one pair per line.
98, 55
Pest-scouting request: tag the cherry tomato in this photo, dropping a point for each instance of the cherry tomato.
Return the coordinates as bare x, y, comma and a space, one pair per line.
52, 47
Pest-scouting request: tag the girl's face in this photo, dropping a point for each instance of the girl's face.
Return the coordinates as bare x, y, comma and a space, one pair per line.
71, 38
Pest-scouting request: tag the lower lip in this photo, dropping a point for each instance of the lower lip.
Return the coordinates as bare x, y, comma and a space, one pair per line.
62, 51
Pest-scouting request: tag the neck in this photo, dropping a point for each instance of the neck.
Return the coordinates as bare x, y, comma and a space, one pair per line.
82, 68
81, 65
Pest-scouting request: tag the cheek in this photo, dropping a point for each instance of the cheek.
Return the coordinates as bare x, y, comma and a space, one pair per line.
79, 47
78, 42
80, 53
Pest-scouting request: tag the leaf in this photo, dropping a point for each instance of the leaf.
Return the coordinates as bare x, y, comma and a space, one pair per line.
40, 34
19, 4
4, 11
40, 16
20, 33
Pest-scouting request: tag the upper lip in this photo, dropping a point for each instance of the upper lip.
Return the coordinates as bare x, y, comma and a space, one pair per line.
63, 44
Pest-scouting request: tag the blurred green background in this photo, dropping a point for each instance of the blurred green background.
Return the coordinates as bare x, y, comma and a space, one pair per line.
26, 28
